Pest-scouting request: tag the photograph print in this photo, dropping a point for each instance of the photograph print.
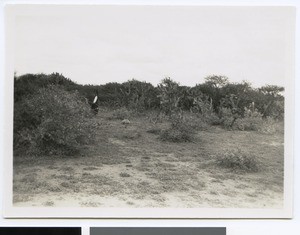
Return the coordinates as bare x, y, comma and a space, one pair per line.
119, 111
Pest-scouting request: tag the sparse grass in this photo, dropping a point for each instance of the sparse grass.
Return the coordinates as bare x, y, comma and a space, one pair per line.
21, 198
213, 192
120, 114
53, 167
90, 204
48, 203
29, 178
131, 135
153, 171
66, 169
54, 188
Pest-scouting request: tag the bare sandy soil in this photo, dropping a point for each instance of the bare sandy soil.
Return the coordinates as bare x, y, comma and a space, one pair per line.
129, 167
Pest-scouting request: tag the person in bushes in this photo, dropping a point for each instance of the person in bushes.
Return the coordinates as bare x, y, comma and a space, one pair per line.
94, 106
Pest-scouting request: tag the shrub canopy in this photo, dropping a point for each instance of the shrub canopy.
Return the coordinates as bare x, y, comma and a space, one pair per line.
52, 121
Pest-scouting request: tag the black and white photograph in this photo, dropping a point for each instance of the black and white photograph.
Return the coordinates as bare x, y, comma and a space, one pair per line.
167, 108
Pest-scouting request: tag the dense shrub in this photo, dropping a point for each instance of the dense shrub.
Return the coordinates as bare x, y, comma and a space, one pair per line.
227, 118
238, 160
52, 121
254, 121
28, 84
180, 131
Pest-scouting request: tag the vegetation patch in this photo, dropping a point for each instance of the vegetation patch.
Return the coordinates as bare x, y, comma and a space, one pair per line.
136, 164
155, 131
175, 135
124, 174
238, 161
51, 122
179, 131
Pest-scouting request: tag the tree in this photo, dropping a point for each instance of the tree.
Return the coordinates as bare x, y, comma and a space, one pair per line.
169, 94
216, 81
273, 101
139, 95
213, 87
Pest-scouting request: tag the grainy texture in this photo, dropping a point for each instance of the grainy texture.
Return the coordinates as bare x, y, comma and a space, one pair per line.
132, 167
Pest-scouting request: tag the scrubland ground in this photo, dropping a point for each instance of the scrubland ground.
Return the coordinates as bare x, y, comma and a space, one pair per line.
131, 167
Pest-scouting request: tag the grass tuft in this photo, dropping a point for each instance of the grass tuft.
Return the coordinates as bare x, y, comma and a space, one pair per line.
124, 174
176, 135
155, 131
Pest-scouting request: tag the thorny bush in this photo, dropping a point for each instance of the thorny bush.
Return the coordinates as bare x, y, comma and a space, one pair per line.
51, 122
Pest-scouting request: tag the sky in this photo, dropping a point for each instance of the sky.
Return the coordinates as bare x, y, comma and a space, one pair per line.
101, 44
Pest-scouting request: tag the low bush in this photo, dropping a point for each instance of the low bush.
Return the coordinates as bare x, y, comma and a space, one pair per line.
227, 119
52, 121
155, 116
238, 161
248, 124
271, 126
120, 114
155, 131
254, 121
212, 119
251, 121
180, 131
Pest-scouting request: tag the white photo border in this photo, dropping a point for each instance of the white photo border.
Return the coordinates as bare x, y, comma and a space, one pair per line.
69, 212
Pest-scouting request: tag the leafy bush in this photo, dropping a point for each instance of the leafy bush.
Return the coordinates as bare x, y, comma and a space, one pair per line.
271, 126
254, 121
179, 131
52, 121
227, 117
212, 119
238, 160
203, 107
